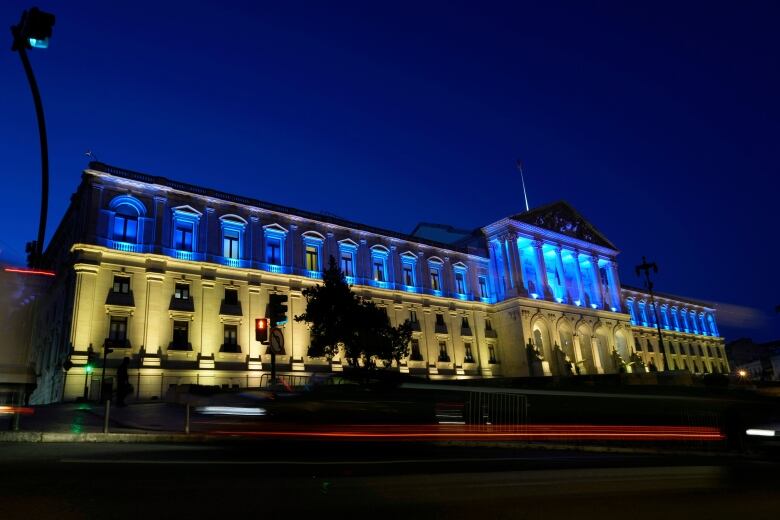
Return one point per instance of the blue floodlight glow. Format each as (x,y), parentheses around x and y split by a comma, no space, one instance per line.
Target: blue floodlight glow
(614,309)
(534,296)
(559,300)
(578,303)
(183,255)
(39,44)
(410,288)
(595,306)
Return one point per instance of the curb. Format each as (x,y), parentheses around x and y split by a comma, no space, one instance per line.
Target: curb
(588,448)
(45,437)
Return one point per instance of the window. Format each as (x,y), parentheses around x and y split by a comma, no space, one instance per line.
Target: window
(182,237)
(347,264)
(443,356)
(469,358)
(231,296)
(181,334)
(379,270)
(488,324)
(312,258)
(125,226)
(231,335)
(440,319)
(483,290)
(182,291)
(273,251)
(491,354)
(435,285)
(117,330)
(408,275)
(121,284)
(230,243)
(464,323)
(413,316)
(638,344)
(415,355)
(460,284)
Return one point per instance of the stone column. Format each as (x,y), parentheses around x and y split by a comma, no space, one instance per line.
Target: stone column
(83,307)
(294,247)
(614,285)
(497,268)
(154,313)
(392,274)
(598,286)
(562,274)
(332,250)
(542,271)
(161,223)
(517,266)
(578,278)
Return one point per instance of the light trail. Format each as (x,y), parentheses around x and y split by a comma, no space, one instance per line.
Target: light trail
(21,270)
(481,433)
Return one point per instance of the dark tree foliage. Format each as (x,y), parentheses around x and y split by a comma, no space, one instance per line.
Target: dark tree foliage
(340,318)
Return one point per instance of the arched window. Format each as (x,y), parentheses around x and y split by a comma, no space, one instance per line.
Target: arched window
(621,344)
(127,211)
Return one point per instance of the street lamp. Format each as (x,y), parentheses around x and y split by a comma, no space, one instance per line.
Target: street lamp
(33,32)
(646,267)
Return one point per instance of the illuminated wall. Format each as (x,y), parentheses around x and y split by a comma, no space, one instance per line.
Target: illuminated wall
(173,276)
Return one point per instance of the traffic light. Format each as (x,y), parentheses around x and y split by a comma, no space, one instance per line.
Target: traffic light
(34,29)
(277,309)
(261,330)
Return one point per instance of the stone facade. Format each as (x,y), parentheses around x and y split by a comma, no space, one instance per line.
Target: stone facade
(173,276)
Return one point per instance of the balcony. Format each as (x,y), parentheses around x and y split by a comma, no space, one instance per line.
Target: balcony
(120,299)
(415,326)
(466,331)
(444,358)
(230,348)
(441,328)
(230,309)
(116,343)
(490,333)
(180,346)
(182,304)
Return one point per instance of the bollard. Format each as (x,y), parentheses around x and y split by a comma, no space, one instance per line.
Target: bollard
(105,417)
(187,419)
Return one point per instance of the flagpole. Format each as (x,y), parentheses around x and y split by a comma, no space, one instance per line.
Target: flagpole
(522,180)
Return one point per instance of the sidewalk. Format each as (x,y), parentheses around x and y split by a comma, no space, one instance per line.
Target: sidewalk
(78,418)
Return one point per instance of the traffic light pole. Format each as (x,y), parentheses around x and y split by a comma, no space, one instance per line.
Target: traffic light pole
(37,252)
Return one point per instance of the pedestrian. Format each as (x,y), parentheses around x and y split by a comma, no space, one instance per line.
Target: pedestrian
(123,382)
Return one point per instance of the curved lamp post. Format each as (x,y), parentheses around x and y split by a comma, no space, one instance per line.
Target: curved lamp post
(33,32)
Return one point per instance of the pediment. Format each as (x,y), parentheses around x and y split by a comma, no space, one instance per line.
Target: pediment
(561,217)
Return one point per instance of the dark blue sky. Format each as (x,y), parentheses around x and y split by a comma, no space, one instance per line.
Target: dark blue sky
(660,122)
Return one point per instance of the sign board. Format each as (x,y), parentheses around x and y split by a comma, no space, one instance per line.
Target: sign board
(277,341)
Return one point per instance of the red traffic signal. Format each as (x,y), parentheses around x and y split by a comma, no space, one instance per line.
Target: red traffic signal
(261,330)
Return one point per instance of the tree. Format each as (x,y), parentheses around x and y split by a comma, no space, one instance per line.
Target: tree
(338,318)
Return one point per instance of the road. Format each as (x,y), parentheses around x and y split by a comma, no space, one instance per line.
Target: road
(297,479)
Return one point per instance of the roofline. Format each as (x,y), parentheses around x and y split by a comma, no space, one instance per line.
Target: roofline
(706,305)
(543,207)
(268,206)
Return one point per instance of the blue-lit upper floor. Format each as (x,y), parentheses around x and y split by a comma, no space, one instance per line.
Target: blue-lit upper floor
(281,244)
(673,315)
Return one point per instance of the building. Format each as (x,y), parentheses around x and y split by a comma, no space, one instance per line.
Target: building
(755,361)
(173,276)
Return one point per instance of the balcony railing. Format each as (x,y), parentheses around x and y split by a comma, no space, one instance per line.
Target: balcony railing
(120,299)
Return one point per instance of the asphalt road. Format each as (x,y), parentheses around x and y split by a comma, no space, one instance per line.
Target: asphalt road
(280,479)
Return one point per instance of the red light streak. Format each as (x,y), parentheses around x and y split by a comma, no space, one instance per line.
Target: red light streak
(21,410)
(534,432)
(22,270)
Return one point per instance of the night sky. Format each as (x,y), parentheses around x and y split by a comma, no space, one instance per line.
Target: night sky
(660,122)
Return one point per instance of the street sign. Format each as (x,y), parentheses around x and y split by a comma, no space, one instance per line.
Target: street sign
(277,341)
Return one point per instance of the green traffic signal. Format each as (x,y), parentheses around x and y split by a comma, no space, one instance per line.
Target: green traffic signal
(89,368)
